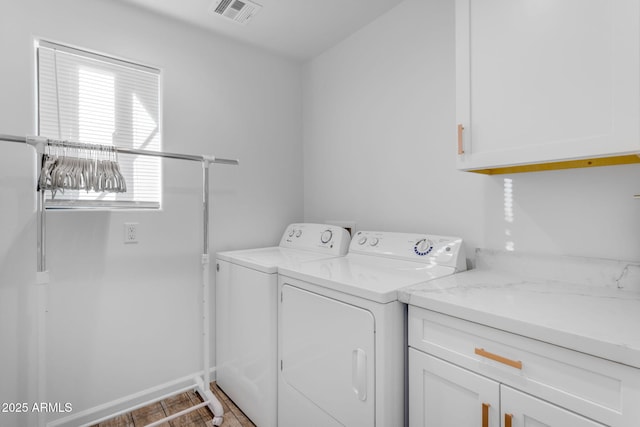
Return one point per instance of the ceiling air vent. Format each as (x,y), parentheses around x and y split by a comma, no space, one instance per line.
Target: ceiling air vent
(237,10)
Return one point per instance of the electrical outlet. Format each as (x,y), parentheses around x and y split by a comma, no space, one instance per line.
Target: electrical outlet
(131,232)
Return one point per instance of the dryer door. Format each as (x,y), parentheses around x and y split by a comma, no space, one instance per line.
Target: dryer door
(328,355)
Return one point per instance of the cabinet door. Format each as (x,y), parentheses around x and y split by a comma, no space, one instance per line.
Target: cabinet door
(442,394)
(522,410)
(543,81)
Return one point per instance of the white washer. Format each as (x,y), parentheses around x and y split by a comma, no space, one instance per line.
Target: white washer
(246,314)
(342,331)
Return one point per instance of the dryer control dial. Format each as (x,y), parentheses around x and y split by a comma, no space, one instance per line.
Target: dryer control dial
(374,241)
(292,232)
(299,233)
(362,240)
(423,247)
(326,236)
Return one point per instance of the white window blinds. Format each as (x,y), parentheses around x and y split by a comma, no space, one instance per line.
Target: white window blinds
(91,98)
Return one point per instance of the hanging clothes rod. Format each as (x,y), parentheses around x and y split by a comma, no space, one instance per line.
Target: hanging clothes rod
(201,383)
(197,158)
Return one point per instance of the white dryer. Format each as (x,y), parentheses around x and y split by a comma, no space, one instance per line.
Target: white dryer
(342,331)
(246,313)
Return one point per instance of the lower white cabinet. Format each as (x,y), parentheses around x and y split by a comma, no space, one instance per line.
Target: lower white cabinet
(463,373)
(443,394)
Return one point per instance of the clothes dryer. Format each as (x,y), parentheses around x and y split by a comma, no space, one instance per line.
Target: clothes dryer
(342,331)
(246,313)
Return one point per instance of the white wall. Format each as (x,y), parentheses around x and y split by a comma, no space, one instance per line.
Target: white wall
(18,291)
(379,149)
(123,318)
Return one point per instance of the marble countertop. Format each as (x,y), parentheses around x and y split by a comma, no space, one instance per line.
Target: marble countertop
(587,305)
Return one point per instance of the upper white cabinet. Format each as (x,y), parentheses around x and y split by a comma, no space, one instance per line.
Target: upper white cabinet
(542,81)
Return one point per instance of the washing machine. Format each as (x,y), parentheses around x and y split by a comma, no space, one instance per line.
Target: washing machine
(246,313)
(342,331)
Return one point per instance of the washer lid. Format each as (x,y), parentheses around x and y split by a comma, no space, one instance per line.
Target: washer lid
(374,278)
(267,260)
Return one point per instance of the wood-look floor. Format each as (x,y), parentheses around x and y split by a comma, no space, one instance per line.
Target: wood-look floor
(233,417)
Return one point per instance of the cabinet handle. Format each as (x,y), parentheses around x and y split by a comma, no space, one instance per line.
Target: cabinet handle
(508,419)
(460,147)
(513,363)
(485,414)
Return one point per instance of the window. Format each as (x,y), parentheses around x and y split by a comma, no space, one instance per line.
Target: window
(91,98)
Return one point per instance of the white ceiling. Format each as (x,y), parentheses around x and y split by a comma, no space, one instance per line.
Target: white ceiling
(299,29)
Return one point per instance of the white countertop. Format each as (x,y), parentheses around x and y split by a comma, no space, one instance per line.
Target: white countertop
(588,305)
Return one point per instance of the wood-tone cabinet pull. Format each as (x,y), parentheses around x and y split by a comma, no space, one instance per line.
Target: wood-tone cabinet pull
(513,363)
(485,414)
(460,146)
(508,419)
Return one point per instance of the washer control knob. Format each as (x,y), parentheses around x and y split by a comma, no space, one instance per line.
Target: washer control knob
(374,241)
(299,233)
(362,240)
(326,236)
(292,232)
(423,247)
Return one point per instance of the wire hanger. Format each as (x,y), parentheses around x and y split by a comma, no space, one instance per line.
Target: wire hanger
(66,168)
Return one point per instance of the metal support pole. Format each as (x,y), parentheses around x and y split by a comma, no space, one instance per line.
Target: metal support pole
(42,290)
(205,272)
(214,403)
(41,230)
(205,205)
